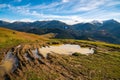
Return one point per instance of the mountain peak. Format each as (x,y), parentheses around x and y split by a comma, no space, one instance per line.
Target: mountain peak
(96,22)
(110,21)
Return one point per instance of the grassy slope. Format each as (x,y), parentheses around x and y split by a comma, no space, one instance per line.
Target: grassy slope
(10,38)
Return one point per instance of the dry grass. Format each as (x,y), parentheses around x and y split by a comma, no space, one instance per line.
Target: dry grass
(7,33)
(7,65)
(11,37)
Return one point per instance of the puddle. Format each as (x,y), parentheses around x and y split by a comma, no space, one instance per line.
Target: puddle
(66,49)
(10,62)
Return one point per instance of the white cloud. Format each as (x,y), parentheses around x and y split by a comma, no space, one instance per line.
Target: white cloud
(7,20)
(26,20)
(21,20)
(73,19)
(73,6)
(3,5)
(64,1)
(20,9)
(113,3)
(75,10)
(86,5)
(44,6)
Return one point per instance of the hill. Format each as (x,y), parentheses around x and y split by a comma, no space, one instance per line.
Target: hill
(107,31)
(10,38)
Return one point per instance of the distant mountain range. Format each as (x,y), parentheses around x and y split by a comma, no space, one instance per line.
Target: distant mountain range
(107,31)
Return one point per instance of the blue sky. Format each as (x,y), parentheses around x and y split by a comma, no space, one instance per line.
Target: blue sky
(69,11)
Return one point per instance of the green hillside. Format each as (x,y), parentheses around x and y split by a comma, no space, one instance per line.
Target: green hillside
(10,38)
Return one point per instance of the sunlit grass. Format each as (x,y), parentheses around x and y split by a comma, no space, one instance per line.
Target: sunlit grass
(10,37)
